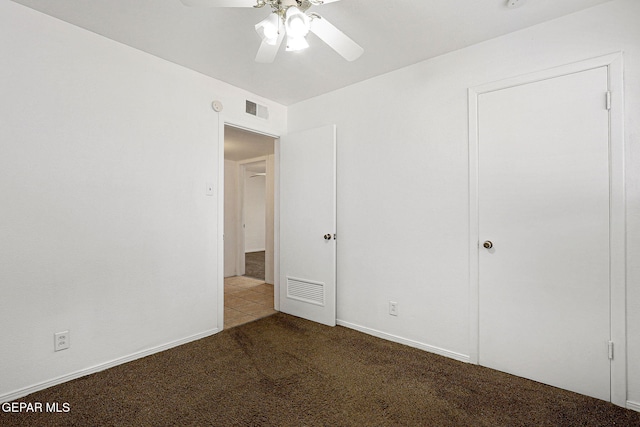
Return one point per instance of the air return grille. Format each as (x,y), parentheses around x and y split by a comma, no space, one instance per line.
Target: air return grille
(306,291)
(256,109)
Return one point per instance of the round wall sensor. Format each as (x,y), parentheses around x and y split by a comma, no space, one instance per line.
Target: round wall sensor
(515,3)
(217,106)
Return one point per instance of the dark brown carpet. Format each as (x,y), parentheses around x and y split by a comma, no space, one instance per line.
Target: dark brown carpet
(254,264)
(285,371)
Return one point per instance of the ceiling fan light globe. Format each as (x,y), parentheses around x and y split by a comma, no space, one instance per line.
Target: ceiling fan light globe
(268,29)
(270,32)
(295,44)
(297,23)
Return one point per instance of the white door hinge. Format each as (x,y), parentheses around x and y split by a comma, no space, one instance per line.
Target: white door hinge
(608,100)
(610,350)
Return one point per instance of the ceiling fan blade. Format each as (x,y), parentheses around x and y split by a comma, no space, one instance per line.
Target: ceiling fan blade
(336,39)
(219,3)
(267,52)
(229,3)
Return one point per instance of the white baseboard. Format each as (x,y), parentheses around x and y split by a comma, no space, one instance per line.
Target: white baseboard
(101,367)
(635,406)
(411,343)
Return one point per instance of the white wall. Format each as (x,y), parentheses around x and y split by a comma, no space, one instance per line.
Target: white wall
(106,232)
(269,254)
(231,214)
(406,134)
(254,212)
(105,226)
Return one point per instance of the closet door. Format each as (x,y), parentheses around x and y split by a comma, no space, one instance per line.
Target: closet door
(543,194)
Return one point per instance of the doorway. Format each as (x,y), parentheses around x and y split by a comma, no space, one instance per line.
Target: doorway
(256,228)
(249,166)
(547,236)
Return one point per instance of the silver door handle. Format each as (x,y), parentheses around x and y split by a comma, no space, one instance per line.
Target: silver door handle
(327,237)
(488,244)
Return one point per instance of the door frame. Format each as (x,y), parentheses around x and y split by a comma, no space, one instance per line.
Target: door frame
(276,214)
(617,220)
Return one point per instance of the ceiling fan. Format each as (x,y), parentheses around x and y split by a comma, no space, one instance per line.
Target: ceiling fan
(290,19)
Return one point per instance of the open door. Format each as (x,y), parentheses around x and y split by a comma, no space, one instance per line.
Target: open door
(308,224)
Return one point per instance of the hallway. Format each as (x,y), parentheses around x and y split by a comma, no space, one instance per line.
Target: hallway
(245,300)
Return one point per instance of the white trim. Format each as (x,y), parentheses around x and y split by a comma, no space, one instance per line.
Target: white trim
(634,406)
(617,208)
(474,233)
(563,70)
(618,248)
(248,129)
(220,234)
(103,366)
(405,341)
(270,213)
(335,222)
(276,224)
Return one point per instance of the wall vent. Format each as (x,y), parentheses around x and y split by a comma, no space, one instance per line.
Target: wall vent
(305,291)
(257,110)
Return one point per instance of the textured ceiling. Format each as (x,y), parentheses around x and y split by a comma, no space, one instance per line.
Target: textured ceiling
(222,43)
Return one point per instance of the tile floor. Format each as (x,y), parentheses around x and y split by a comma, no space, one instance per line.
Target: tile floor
(246,299)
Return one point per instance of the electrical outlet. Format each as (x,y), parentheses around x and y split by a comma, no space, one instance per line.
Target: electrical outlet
(61,341)
(393,308)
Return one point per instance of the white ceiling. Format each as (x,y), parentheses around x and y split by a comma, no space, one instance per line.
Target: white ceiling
(222,43)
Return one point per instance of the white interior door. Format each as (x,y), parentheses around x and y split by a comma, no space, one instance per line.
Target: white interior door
(308,224)
(543,191)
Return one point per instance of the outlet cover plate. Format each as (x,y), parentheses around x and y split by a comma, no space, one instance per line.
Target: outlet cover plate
(393,308)
(61,341)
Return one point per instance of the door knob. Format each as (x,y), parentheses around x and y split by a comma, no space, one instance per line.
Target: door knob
(327,237)
(488,244)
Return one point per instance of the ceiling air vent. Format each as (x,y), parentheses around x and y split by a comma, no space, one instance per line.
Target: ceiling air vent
(257,110)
